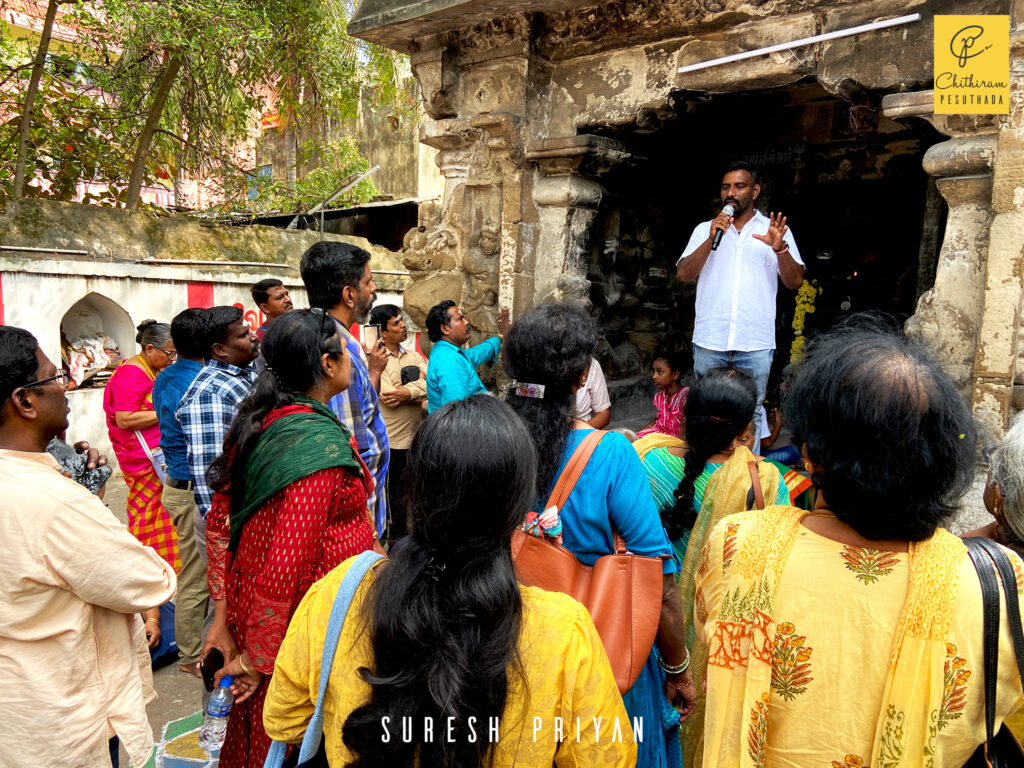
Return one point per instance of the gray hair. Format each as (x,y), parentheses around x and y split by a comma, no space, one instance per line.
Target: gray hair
(152,332)
(1008,472)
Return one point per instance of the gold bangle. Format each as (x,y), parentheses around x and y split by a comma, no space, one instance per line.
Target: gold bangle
(252,671)
(153,618)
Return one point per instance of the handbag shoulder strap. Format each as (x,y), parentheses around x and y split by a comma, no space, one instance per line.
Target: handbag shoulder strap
(573,469)
(1009,580)
(755,487)
(342,601)
(571,474)
(990,628)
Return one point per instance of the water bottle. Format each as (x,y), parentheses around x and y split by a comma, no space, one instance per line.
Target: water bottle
(215,719)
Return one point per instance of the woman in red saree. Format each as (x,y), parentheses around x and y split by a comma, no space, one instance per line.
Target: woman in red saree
(300,511)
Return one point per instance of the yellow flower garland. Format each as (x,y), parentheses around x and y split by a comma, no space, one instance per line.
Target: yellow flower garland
(805,298)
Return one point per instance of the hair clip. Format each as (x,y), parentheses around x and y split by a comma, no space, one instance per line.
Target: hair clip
(718,419)
(523,389)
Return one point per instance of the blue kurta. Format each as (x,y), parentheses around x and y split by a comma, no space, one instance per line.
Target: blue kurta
(613,490)
(451,371)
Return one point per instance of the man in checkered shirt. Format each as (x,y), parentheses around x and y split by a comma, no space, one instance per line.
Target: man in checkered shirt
(338,279)
(212,400)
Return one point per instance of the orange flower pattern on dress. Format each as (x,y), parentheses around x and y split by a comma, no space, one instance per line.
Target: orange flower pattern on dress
(726,647)
(791,666)
(757,734)
(850,761)
(868,564)
(699,607)
(743,616)
(705,564)
(729,546)
(954,694)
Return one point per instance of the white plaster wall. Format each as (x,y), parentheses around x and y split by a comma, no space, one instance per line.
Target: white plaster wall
(37,293)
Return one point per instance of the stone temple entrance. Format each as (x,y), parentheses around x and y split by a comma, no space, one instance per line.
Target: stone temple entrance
(540,110)
(866,216)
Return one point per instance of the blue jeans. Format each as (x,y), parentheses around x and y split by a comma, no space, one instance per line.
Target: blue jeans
(757,363)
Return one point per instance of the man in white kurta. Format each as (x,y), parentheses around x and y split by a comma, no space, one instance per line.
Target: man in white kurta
(74,664)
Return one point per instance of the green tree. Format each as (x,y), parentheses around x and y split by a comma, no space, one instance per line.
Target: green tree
(178,85)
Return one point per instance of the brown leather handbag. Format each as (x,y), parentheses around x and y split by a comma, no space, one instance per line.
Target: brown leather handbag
(621,590)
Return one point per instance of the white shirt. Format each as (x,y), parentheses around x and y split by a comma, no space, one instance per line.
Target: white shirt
(592,397)
(736,288)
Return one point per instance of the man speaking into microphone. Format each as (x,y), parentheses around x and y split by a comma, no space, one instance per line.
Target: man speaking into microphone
(737,259)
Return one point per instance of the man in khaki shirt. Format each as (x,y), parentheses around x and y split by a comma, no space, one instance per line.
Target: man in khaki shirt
(402,407)
(74,663)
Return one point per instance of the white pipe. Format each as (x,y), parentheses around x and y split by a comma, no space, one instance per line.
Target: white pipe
(803,41)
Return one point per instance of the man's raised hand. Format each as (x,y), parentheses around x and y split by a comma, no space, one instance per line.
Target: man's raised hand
(777,230)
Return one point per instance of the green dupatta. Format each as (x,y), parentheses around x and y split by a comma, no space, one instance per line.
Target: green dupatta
(291,448)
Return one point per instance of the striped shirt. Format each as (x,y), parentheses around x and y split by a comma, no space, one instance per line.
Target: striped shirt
(359,408)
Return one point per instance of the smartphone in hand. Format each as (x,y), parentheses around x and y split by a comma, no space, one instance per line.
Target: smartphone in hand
(371,335)
(211,664)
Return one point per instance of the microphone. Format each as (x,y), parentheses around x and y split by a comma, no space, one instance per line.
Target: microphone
(728,210)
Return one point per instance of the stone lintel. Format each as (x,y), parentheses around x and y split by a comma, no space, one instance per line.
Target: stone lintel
(962,156)
(396,23)
(583,155)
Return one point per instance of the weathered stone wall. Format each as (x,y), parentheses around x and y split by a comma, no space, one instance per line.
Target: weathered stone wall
(119,235)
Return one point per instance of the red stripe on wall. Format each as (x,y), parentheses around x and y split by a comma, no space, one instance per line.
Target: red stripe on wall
(200,295)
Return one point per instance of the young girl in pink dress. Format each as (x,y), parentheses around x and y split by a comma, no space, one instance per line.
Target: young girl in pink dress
(666,370)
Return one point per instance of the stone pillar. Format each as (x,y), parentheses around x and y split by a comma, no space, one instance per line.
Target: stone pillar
(997,372)
(568,196)
(949,315)
(566,209)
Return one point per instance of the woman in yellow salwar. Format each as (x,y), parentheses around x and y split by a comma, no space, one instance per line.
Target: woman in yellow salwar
(441,633)
(851,635)
(696,486)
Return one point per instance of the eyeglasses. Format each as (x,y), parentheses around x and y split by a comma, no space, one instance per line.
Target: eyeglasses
(171,353)
(63,377)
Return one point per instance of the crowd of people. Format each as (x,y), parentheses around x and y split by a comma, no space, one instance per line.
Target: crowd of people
(811,613)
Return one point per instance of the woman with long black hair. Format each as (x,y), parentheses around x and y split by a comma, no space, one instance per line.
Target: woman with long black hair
(697,485)
(547,353)
(442,637)
(299,510)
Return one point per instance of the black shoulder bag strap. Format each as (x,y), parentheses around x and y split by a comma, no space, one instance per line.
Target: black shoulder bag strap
(1009,579)
(1003,750)
(990,613)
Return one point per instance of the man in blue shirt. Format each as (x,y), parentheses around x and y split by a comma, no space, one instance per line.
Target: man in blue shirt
(170,386)
(451,371)
(338,280)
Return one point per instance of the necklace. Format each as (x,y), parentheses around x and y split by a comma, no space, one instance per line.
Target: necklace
(820,514)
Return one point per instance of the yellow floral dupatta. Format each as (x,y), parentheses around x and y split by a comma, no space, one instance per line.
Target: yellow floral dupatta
(726,494)
(742,639)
